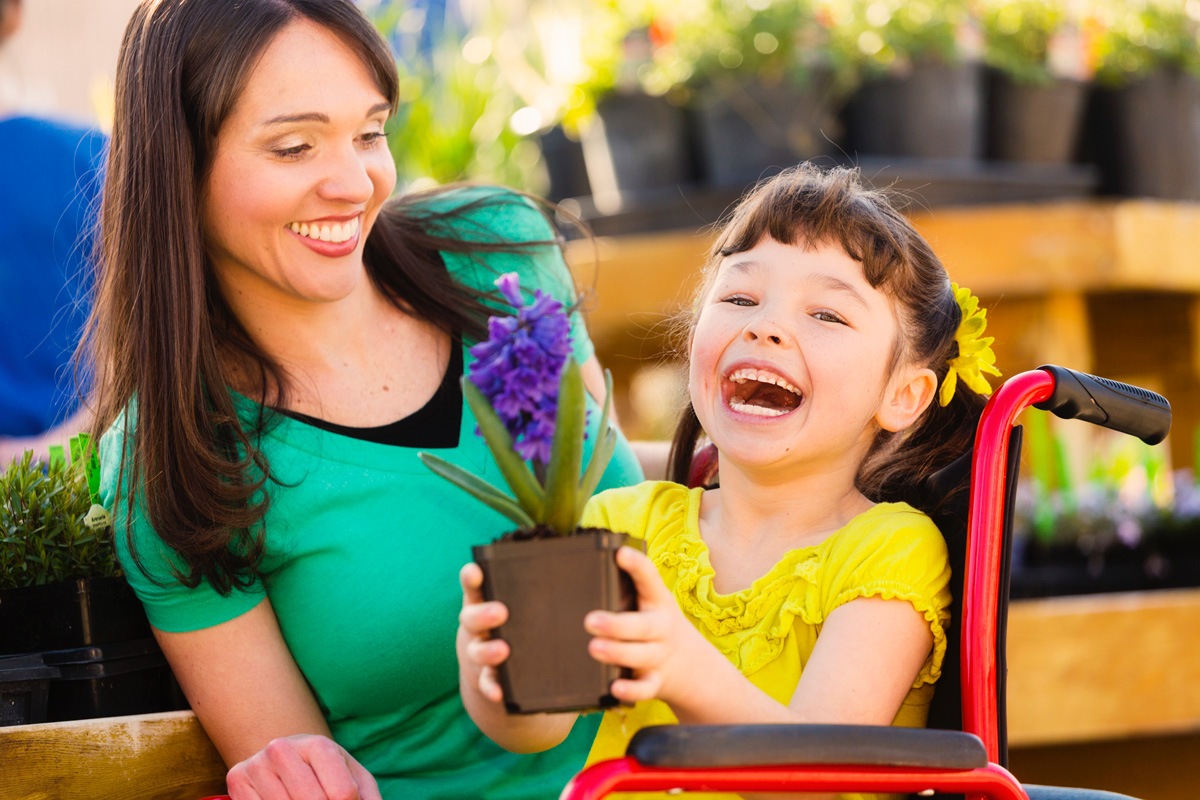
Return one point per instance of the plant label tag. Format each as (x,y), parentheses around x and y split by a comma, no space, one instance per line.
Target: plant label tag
(97,518)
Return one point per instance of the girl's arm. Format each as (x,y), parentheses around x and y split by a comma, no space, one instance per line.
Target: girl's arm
(478,657)
(865,661)
(255,705)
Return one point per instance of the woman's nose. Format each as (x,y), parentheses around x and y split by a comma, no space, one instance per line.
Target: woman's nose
(347,178)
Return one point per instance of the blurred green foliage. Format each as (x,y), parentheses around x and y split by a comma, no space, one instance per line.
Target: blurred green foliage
(1140,37)
(43,537)
(1020,37)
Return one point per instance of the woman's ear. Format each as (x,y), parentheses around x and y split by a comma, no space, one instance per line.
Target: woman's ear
(907,396)
(10,18)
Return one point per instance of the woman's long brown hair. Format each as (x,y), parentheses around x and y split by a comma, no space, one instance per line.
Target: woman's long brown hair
(161,336)
(809,206)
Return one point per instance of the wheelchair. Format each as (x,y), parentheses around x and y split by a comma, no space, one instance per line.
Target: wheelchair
(963,751)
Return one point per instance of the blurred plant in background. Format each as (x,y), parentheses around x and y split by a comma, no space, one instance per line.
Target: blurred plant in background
(1142,37)
(890,36)
(1038,41)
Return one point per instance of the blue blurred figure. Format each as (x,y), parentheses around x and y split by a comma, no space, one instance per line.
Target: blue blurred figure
(49,191)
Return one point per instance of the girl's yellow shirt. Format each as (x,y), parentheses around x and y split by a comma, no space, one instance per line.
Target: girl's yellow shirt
(769,629)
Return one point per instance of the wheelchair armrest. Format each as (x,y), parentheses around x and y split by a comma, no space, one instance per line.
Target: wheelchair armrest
(777,745)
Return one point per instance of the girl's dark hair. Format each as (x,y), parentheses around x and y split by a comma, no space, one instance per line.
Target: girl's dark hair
(163,341)
(812,207)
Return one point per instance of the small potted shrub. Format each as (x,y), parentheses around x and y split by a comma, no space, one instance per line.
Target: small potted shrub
(765,86)
(63,601)
(922,83)
(1148,117)
(527,395)
(1041,68)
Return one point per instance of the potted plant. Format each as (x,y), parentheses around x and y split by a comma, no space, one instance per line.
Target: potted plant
(1040,69)
(922,84)
(63,601)
(527,395)
(765,86)
(1148,117)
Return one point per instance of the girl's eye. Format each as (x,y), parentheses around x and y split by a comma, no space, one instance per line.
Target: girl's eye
(828,316)
(291,152)
(739,300)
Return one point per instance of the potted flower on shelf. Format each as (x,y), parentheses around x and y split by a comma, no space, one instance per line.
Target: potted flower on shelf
(766,85)
(1041,66)
(63,602)
(1147,122)
(922,83)
(527,395)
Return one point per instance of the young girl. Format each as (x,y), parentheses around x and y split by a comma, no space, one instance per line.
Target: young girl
(826,369)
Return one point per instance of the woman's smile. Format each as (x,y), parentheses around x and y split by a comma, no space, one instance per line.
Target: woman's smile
(328,237)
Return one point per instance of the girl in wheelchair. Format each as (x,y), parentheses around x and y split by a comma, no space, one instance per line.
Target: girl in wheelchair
(834,367)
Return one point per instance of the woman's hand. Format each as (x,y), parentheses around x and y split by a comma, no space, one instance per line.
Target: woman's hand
(302,767)
(478,653)
(657,642)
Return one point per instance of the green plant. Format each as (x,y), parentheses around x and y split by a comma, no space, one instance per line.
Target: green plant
(889,36)
(1034,41)
(46,533)
(527,395)
(1141,37)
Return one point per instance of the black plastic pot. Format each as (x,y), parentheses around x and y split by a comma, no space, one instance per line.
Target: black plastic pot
(1147,137)
(565,167)
(111,680)
(549,586)
(24,689)
(750,129)
(60,616)
(1033,123)
(636,143)
(935,111)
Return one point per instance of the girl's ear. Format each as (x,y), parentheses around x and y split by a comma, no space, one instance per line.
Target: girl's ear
(907,396)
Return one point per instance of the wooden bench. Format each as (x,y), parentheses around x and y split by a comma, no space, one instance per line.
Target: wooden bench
(150,757)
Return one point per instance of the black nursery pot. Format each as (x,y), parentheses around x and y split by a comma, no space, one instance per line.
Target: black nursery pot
(637,143)
(549,586)
(60,616)
(933,112)
(1034,123)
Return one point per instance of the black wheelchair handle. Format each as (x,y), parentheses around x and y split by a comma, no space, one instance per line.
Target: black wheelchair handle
(1110,404)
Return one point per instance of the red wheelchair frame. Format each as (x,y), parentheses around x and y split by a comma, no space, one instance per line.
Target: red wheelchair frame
(830,758)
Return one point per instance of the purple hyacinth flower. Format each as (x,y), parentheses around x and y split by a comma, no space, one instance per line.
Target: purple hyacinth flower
(519,365)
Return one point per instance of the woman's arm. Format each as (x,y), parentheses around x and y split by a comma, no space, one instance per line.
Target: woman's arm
(255,705)
(478,657)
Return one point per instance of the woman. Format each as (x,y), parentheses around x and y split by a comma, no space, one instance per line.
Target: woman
(277,341)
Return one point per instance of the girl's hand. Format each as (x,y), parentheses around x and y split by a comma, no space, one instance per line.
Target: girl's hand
(657,642)
(302,767)
(478,653)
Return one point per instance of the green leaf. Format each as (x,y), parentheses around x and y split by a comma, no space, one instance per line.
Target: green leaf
(566,452)
(515,471)
(600,458)
(478,488)
(601,454)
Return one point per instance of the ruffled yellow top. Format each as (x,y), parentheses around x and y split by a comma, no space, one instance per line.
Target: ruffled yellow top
(769,629)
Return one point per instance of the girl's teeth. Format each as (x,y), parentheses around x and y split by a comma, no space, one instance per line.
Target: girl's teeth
(756,410)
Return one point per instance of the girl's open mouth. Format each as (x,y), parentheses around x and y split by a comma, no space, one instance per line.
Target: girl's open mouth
(762,393)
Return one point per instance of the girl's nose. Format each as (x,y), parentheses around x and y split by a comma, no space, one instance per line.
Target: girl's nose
(765,330)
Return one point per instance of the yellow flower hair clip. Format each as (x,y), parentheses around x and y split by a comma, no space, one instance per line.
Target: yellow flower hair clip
(975,355)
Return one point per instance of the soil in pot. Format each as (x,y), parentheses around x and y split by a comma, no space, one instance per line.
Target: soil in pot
(1033,123)
(935,112)
(59,616)
(636,143)
(1146,137)
(549,585)
(749,129)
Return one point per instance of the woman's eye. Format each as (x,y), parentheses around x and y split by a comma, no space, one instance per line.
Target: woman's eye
(373,138)
(291,152)
(828,316)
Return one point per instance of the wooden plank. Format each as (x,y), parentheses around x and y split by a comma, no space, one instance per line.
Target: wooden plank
(1103,666)
(150,757)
